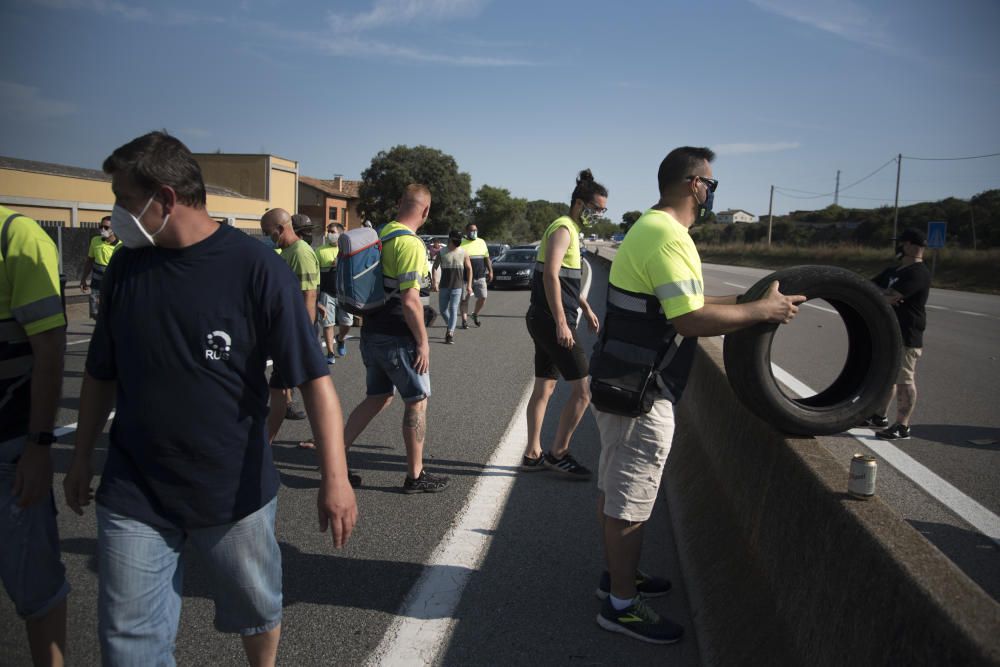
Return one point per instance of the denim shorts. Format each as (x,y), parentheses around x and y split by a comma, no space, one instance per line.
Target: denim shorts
(141,576)
(389,363)
(30,562)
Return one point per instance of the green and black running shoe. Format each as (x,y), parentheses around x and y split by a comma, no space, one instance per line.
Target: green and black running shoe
(640,622)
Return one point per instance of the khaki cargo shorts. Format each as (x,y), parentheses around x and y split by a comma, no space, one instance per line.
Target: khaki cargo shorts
(908,369)
(633,453)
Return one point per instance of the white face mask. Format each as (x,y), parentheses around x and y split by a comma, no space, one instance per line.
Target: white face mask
(129,229)
(105,233)
(332,237)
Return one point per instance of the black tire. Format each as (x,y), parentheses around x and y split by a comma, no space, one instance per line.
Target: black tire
(873,355)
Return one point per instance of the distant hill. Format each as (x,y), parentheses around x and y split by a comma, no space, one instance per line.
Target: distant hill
(869,226)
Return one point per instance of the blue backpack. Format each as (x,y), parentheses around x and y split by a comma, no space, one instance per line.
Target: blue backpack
(359,270)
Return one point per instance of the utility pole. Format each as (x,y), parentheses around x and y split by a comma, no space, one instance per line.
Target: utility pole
(836,190)
(770,210)
(895,215)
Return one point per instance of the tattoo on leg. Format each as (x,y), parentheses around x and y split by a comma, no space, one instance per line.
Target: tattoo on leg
(416,420)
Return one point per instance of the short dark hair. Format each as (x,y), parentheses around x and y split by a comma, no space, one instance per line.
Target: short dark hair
(455,236)
(679,164)
(156,159)
(587,188)
(107,217)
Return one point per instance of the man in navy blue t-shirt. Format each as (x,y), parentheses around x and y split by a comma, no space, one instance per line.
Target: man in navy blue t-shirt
(190,312)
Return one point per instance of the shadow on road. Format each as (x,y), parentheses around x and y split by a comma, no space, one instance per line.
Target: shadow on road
(955,435)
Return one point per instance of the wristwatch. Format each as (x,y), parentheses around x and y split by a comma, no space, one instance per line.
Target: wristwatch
(44,438)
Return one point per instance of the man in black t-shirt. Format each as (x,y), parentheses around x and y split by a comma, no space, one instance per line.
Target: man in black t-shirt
(190,312)
(906,287)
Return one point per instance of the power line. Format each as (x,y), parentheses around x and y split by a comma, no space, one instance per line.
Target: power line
(818,195)
(946,159)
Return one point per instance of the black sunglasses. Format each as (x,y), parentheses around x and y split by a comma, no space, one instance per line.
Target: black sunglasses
(710,183)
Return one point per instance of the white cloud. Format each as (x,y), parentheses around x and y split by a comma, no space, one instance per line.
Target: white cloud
(27,101)
(748,148)
(843,18)
(395,12)
(364,47)
(101,7)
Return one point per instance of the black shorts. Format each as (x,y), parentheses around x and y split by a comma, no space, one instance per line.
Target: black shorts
(551,358)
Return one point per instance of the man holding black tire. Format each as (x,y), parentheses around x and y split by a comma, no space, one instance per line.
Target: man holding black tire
(906,287)
(656,303)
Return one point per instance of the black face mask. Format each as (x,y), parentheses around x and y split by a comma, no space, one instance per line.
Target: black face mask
(703,209)
(307,237)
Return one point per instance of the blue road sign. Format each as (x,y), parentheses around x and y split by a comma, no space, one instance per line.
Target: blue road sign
(936,233)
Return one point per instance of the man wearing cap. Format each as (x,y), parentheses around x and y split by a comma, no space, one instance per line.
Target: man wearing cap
(287,231)
(907,287)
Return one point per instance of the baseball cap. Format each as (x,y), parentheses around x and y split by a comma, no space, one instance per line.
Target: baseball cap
(301,222)
(914,236)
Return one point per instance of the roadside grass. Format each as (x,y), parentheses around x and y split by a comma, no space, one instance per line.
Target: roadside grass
(955,268)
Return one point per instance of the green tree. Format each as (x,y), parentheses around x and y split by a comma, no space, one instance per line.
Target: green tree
(629,218)
(383,182)
(540,214)
(496,213)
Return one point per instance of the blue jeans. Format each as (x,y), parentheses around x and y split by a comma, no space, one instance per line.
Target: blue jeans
(30,562)
(141,574)
(450,298)
(389,363)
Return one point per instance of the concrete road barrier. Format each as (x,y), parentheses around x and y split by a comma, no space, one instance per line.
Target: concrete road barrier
(783,567)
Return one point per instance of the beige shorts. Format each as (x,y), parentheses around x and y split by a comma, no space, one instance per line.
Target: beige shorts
(478,290)
(908,369)
(633,453)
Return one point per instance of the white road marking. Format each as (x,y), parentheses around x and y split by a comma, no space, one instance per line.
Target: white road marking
(735,285)
(823,308)
(425,621)
(78,342)
(965,507)
(69,428)
(936,307)
(969,312)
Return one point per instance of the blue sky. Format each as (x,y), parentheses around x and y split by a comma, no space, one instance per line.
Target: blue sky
(525,94)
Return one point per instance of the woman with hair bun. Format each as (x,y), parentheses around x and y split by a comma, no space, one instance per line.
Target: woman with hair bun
(552,317)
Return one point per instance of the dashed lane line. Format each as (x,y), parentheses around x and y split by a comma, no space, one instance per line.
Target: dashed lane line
(424,623)
(735,285)
(965,507)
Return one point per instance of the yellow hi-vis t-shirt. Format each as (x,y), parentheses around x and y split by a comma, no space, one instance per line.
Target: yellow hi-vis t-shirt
(659,257)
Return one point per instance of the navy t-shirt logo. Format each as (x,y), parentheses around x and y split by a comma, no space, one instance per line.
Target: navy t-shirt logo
(218,345)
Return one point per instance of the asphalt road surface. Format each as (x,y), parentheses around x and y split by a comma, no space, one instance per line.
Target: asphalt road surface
(528,599)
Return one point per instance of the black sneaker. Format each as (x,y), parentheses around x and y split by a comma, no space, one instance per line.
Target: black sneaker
(475,320)
(529,464)
(465,324)
(426,483)
(292,413)
(449,338)
(876,421)
(567,465)
(647,586)
(895,432)
(639,622)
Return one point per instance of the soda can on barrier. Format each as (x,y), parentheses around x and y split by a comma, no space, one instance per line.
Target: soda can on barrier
(861,483)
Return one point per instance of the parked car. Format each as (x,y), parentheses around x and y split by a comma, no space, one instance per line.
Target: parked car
(497,249)
(514,268)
